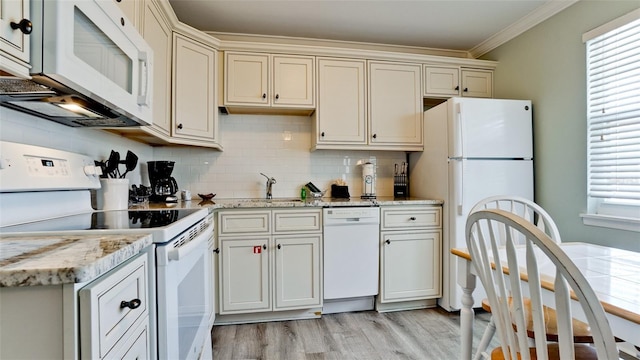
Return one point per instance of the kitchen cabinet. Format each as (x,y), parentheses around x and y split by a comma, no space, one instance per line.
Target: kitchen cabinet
(376,109)
(270,260)
(410,256)
(157,33)
(195,113)
(133,10)
(442,81)
(114,312)
(395,105)
(269,81)
(341,115)
(14,43)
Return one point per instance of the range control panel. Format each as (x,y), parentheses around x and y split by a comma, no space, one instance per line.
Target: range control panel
(33,168)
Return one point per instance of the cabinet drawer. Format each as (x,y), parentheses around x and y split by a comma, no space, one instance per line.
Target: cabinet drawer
(296,220)
(411,217)
(244,222)
(104,320)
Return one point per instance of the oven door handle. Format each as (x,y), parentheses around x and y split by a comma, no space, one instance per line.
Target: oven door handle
(184,251)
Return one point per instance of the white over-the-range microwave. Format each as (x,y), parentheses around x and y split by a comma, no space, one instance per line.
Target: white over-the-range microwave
(90,67)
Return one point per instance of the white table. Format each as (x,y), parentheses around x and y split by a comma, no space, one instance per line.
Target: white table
(614,275)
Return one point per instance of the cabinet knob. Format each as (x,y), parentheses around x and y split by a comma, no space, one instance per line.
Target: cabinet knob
(216,250)
(277,96)
(322,134)
(466,90)
(375,136)
(133,304)
(413,218)
(24,25)
(264,96)
(387,241)
(180,126)
(279,246)
(122,21)
(457,88)
(264,247)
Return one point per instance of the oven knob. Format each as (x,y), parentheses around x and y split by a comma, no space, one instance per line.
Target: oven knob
(91,170)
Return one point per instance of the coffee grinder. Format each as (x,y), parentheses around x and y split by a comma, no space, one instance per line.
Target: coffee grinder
(163,186)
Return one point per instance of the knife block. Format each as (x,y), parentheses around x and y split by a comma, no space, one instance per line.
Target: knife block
(401,186)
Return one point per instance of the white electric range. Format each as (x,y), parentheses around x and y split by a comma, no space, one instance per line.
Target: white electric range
(48,191)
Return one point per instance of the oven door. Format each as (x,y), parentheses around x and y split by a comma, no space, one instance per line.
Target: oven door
(91,48)
(183,292)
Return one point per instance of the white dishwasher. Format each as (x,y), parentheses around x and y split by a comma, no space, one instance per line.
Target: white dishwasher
(351,258)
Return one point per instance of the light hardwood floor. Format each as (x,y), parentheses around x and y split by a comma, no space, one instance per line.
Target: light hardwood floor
(416,334)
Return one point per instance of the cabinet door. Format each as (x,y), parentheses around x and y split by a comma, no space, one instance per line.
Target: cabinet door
(244,275)
(293,84)
(477,83)
(410,265)
(440,81)
(246,79)
(157,34)
(14,45)
(194,108)
(395,104)
(297,273)
(341,111)
(132,10)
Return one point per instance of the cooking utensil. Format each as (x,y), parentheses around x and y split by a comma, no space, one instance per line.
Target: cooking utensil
(112,163)
(130,161)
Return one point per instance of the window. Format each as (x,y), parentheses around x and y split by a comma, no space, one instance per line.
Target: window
(613,115)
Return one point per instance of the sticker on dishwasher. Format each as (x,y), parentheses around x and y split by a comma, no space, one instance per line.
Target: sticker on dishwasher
(257,249)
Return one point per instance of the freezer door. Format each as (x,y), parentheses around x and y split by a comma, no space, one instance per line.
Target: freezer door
(490,128)
(472,181)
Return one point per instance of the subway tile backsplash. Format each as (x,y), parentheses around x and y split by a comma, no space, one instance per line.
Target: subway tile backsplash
(277,146)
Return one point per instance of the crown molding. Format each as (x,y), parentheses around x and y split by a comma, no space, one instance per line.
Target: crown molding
(542,13)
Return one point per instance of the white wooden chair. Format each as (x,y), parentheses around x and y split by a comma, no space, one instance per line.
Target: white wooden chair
(492,238)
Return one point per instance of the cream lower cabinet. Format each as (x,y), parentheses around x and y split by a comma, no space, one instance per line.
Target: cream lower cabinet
(410,256)
(269,260)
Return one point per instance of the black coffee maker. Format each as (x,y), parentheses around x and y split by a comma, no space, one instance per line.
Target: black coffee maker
(163,186)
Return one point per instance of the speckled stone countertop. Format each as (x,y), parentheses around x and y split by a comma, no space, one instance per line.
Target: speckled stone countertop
(63,259)
(215,203)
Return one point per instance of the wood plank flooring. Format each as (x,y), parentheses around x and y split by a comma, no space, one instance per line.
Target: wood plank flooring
(416,334)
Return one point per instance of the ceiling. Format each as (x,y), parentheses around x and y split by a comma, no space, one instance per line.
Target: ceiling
(441,24)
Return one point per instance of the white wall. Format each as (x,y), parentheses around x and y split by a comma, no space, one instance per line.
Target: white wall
(252,143)
(547,65)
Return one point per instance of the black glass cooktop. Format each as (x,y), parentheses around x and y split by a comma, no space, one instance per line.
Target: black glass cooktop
(105,220)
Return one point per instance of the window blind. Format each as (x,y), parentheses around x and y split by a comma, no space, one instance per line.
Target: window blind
(613,111)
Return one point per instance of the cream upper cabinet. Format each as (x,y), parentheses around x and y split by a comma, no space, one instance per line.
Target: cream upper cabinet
(441,81)
(395,105)
(341,116)
(157,33)
(133,10)
(14,43)
(455,81)
(265,80)
(477,83)
(195,114)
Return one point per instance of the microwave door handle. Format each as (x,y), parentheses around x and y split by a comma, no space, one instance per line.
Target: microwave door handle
(143,90)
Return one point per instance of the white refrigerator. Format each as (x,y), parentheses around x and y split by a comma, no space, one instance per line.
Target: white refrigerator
(473,149)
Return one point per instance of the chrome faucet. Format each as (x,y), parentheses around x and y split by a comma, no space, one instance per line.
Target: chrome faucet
(270,182)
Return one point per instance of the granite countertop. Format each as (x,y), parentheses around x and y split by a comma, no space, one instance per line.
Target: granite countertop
(229,203)
(64,259)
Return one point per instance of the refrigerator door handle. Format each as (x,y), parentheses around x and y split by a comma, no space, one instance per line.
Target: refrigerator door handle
(459,184)
(458,150)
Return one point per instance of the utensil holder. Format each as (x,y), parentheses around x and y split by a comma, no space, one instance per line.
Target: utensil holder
(113,194)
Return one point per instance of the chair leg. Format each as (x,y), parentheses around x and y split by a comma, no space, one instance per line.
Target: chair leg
(486,339)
